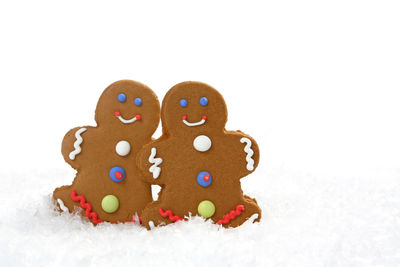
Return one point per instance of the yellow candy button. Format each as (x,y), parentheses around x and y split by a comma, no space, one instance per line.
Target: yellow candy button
(206,208)
(110,203)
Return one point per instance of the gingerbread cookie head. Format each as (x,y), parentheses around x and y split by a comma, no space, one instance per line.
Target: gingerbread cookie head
(193,107)
(129,105)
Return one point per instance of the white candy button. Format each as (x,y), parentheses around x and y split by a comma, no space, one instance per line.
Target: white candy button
(123,148)
(202,143)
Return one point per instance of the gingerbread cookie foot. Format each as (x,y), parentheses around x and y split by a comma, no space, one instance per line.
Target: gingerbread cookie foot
(61,205)
(253,207)
(86,206)
(231,215)
(68,201)
(249,210)
(62,196)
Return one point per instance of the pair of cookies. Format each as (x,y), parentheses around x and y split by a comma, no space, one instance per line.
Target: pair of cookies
(197,163)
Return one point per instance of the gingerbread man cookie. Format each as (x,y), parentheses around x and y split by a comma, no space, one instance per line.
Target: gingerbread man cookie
(197,162)
(107,185)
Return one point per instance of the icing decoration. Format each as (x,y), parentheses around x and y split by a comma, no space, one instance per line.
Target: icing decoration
(117,174)
(170,215)
(123,148)
(206,209)
(151,224)
(118,115)
(77,144)
(122,98)
(204,179)
(202,143)
(138,101)
(154,169)
(204,101)
(232,215)
(250,153)
(62,206)
(86,206)
(135,217)
(203,120)
(110,204)
(183,103)
(253,218)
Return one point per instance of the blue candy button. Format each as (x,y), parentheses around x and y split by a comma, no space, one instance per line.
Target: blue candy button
(183,102)
(204,101)
(117,174)
(122,97)
(138,101)
(204,179)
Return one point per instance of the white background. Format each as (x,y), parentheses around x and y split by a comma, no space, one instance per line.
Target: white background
(316,83)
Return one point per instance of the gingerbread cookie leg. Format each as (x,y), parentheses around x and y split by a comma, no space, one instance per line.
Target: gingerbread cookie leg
(254,205)
(242,212)
(68,199)
(155,214)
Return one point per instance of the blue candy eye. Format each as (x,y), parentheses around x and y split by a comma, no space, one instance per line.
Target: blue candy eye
(204,101)
(138,101)
(183,102)
(122,98)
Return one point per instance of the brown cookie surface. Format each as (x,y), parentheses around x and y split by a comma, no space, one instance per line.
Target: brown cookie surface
(108,186)
(197,162)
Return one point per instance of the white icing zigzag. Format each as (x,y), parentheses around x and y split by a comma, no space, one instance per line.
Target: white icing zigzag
(77,144)
(62,206)
(250,153)
(156,161)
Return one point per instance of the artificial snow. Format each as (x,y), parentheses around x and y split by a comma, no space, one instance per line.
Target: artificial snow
(308,220)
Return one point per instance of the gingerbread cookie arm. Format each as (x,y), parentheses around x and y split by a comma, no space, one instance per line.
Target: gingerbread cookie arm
(149,160)
(73,145)
(247,153)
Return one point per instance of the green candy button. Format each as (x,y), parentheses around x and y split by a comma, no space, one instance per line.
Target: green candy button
(206,208)
(110,203)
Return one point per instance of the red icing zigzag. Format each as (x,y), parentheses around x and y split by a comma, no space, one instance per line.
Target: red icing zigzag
(231,215)
(85,205)
(169,214)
